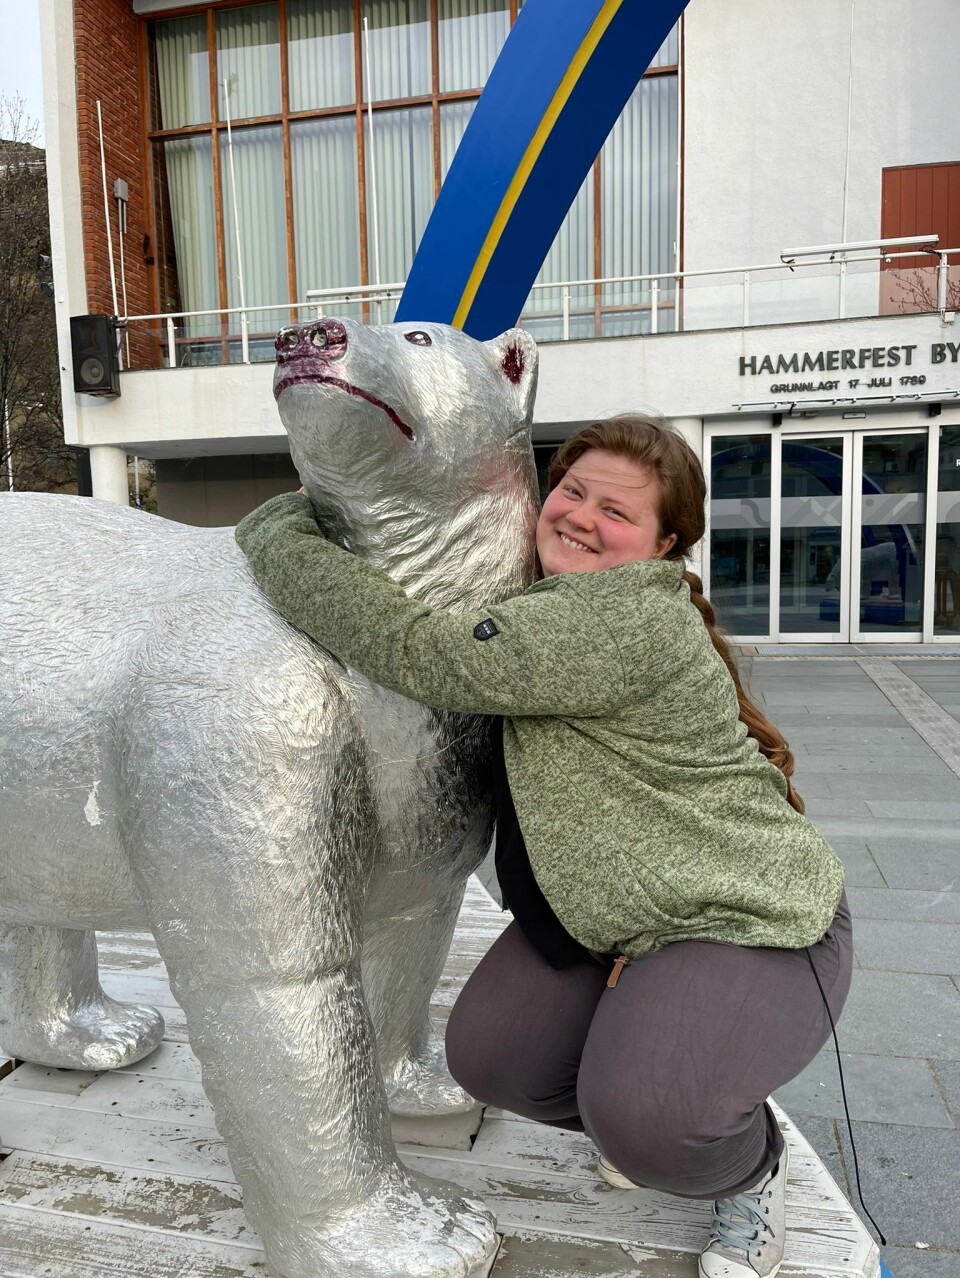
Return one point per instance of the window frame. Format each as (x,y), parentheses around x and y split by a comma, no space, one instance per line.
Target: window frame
(216,130)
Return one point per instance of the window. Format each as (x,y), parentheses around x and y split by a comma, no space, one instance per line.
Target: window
(295,149)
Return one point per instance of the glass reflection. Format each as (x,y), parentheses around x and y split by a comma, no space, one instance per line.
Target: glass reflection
(471,34)
(946,590)
(811,542)
(398,32)
(248,60)
(255,173)
(320,54)
(891,542)
(740,533)
(183,72)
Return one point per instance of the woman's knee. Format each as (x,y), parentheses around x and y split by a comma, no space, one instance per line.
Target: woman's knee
(516,1033)
(475,1058)
(499,1070)
(662,1143)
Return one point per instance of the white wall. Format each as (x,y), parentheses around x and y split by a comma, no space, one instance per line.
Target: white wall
(195,412)
(63,184)
(765,113)
(765,122)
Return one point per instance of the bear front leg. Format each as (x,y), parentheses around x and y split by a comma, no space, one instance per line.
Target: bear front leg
(53,1011)
(403,958)
(256,907)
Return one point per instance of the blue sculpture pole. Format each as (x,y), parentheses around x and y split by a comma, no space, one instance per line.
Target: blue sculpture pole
(562,79)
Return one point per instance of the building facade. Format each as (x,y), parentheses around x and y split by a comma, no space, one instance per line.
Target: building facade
(761,253)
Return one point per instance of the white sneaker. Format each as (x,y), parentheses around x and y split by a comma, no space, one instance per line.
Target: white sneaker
(606,1171)
(749,1230)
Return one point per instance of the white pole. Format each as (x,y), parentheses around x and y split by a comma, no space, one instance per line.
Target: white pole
(106,211)
(108,474)
(171,343)
(236,212)
(846,162)
(373,161)
(136,482)
(842,288)
(942,280)
(123,277)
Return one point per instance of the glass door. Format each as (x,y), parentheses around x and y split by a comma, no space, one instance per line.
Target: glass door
(737,570)
(821,537)
(815,537)
(888,530)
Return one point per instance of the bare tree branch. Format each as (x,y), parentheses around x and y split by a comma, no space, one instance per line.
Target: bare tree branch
(32,451)
(917,290)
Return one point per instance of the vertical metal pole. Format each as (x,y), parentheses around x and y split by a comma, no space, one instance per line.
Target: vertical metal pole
(706,551)
(776,473)
(171,343)
(849,554)
(928,618)
(566,312)
(654,306)
(746,299)
(855,578)
(121,231)
(942,278)
(842,290)
(678,321)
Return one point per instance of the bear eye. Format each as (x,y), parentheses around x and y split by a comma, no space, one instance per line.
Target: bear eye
(418,338)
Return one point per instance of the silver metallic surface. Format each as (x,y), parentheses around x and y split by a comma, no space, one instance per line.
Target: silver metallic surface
(174,755)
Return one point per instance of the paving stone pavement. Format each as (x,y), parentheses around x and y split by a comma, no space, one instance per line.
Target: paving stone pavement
(890,804)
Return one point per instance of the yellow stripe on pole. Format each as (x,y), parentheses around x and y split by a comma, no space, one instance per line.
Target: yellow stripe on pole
(530,156)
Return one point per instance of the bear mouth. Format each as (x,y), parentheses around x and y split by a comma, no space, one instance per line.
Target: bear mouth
(312,379)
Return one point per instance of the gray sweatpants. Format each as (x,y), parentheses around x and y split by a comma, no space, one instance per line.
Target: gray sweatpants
(668,1073)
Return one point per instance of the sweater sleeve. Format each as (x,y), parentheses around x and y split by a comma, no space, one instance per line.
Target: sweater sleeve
(544,653)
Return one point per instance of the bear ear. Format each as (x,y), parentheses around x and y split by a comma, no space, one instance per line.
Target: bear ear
(517,357)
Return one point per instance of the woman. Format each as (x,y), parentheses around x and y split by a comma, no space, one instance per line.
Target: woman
(679,926)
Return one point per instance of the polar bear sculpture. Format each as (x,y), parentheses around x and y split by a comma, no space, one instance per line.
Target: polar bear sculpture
(174,755)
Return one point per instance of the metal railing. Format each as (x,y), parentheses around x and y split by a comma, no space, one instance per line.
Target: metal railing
(666,301)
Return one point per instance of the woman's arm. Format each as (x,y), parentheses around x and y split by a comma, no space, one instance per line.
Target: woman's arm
(540,654)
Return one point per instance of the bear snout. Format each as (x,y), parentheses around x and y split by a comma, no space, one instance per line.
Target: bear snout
(326,338)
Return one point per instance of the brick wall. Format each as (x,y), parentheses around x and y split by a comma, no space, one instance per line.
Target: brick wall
(107,57)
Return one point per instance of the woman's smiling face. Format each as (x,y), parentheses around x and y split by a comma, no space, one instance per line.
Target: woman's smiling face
(603,512)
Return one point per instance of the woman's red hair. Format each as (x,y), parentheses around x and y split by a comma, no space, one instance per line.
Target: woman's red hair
(656,446)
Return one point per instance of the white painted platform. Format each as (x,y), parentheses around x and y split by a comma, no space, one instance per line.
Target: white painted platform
(124,1174)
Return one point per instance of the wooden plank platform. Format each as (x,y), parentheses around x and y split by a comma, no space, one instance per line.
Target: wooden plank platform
(124,1173)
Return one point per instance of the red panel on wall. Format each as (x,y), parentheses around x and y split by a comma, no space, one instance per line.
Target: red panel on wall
(917,200)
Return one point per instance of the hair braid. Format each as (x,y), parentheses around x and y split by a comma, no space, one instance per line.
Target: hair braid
(772,743)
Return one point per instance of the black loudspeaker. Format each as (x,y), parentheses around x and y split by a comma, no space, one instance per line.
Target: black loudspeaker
(96,366)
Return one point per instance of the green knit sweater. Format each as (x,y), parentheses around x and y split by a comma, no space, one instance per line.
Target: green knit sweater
(648,813)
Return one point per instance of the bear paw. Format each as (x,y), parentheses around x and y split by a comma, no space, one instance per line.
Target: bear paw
(414,1227)
(102,1034)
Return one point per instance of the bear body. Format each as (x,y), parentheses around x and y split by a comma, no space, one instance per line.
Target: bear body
(176,756)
